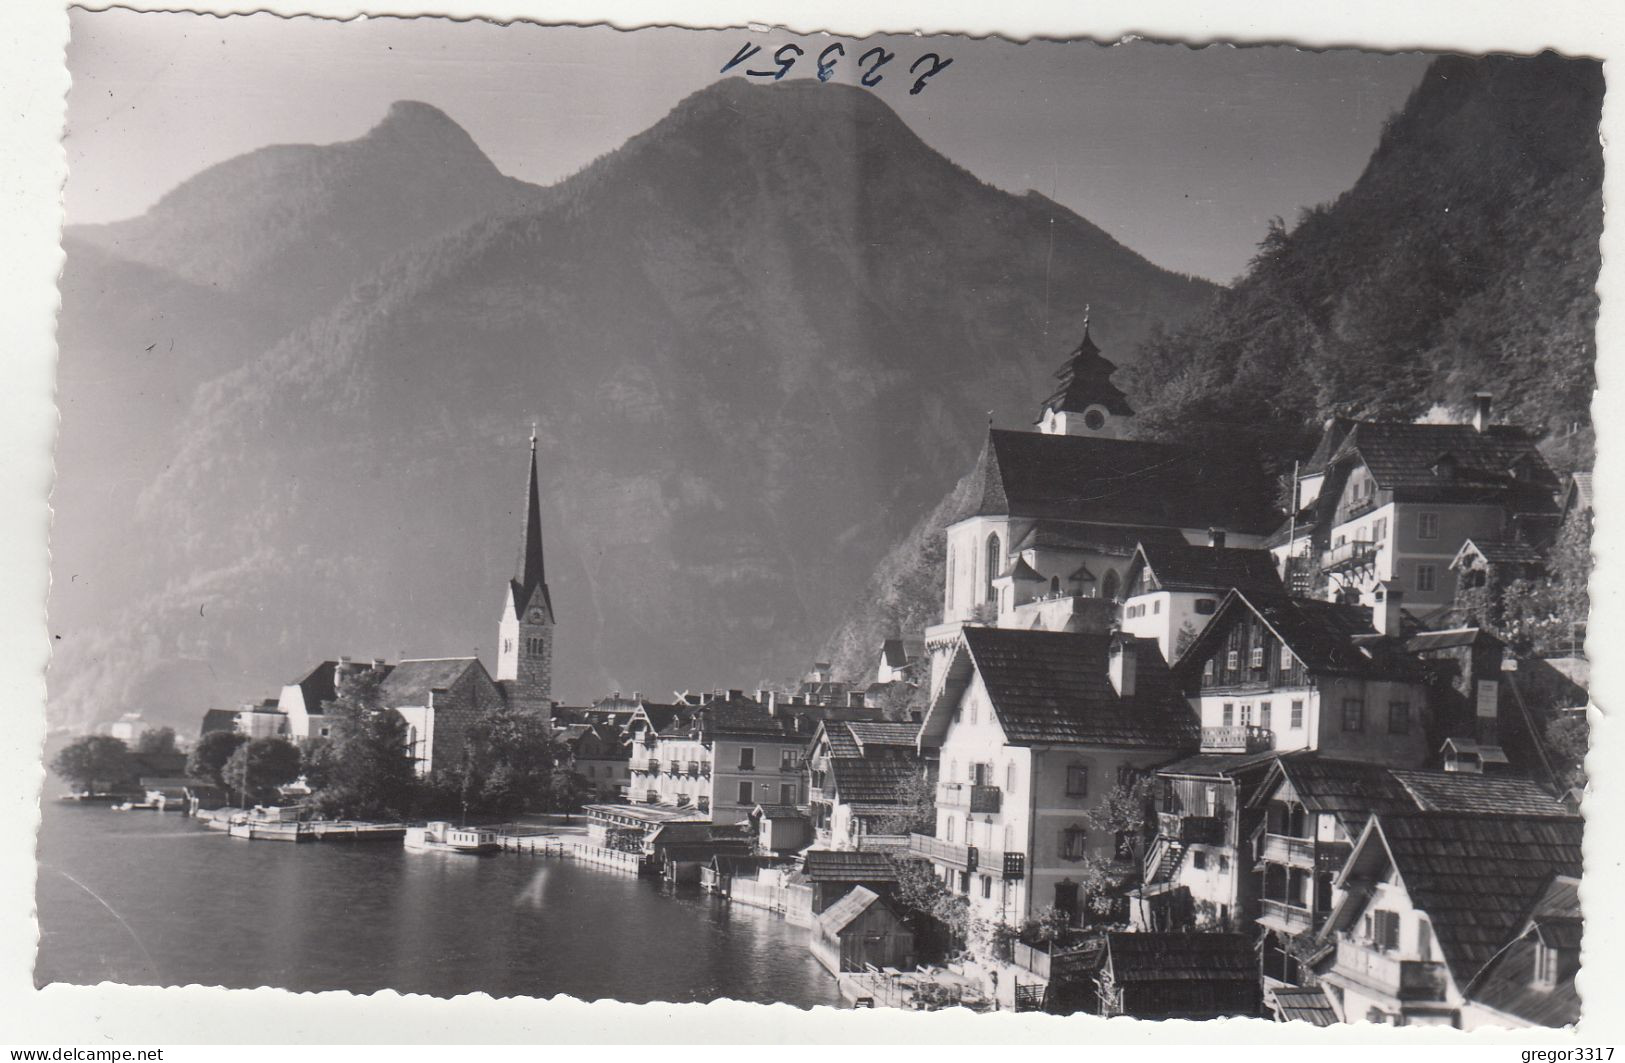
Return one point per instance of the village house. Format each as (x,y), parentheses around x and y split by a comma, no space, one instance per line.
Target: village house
(900,661)
(858,774)
(601,755)
(781,829)
(1033,730)
(1056,515)
(1173,589)
(1275,673)
(862,931)
(722,756)
(1430,902)
(1394,502)
(832,873)
(1154,975)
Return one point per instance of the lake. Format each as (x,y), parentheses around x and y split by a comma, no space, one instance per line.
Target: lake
(152,898)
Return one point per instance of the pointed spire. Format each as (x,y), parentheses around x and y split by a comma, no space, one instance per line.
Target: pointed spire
(531,573)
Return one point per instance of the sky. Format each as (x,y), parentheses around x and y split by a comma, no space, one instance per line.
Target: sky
(1182,154)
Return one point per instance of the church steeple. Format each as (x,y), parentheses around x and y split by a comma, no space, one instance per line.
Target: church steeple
(1086,402)
(525,636)
(531,571)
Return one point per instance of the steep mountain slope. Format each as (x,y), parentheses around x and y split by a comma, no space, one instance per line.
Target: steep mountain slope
(1464,258)
(758,340)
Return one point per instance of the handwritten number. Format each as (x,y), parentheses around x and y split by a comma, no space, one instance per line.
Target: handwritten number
(744,53)
(783,59)
(826,66)
(938,64)
(873,76)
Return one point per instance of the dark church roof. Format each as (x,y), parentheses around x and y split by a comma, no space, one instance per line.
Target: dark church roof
(412,682)
(1085,380)
(1121,481)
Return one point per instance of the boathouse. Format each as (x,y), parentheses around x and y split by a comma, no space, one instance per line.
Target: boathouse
(861,930)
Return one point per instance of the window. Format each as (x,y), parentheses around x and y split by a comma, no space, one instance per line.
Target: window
(987,885)
(1224,863)
(1207,668)
(949,596)
(747,759)
(326,732)
(1427,525)
(1156,607)
(1385,929)
(1353,714)
(1228,715)
(787,793)
(1232,660)
(745,794)
(787,760)
(1074,840)
(1545,964)
(1010,776)
(950,829)
(1077,780)
(1286,659)
(507,645)
(1379,530)
(964,882)
(1297,714)
(1257,657)
(1264,715)
(1205,606)
(1199,859)
(1426,577)
(1109,585)
(1399,717)
(1246,719)
(992,566)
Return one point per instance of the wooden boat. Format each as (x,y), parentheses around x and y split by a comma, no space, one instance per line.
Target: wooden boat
(442,837)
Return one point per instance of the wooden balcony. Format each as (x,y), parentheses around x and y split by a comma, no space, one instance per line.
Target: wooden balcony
(986,799)
(1190,830)
(973,797)
(1285,849)
(1237,739)
(1285,916)
(1348,555)
(966,857)
(1388,974)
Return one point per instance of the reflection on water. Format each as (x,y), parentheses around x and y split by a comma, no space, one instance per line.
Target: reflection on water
(152,899)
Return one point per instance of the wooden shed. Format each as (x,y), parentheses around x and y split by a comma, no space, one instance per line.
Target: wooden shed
(861,930)
(1177,976)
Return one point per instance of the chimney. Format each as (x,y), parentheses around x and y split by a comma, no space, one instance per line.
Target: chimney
(1215,538)
(378,664)
(344,662)
(1122,665)
(637,695)
(1386,614)
(1481,410)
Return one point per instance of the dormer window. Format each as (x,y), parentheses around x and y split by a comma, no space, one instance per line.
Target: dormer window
(1545,965)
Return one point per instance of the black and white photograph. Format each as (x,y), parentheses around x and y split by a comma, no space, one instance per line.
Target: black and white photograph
(931,522)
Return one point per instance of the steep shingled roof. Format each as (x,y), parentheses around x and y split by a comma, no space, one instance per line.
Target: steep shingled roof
(1183,567)
(1150,956)
(1051,686)
(1476,876)
(1402,455)
(1121,481)
(884,733)
(829,865)
(411,682)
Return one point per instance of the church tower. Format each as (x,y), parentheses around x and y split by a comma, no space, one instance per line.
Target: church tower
(1086,403)
(525,654)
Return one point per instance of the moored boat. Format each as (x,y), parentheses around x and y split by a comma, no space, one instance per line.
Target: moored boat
(442,837)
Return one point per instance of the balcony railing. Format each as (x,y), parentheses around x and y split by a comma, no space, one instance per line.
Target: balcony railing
(1383,971)
(1240,738)
(1285,849)
(1358,508)
(1286,916)
(694,768)
(654,766)
(968,857)
(1331,856)
(1190,830)
(1351,554)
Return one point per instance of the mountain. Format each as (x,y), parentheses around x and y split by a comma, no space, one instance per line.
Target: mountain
(1465,257)
(757,341)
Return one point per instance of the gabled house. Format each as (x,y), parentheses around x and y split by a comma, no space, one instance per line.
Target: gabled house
(305,701)
(1431,901)
(722,756)
(1531,981)
(831,873)
(1151,975)
(1033,729)
(1272,672)
(1395,502)
(858,774)
(900,661)
(1172,589)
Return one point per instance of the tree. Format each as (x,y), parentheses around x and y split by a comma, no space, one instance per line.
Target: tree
(156,740)
(566,791)
(94,759)
(367,772)
(916,811)
(211,753)
(256,769)
(507,766)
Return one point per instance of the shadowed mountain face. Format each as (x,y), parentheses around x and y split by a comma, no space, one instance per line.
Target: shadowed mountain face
(759,340)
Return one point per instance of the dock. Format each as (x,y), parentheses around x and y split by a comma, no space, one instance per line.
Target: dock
(530,841)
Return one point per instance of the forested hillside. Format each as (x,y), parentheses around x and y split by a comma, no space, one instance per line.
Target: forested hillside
(1465,258)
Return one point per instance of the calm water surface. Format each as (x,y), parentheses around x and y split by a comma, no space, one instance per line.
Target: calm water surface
(155,899)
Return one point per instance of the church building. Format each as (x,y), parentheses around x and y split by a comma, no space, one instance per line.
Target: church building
(525,646)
